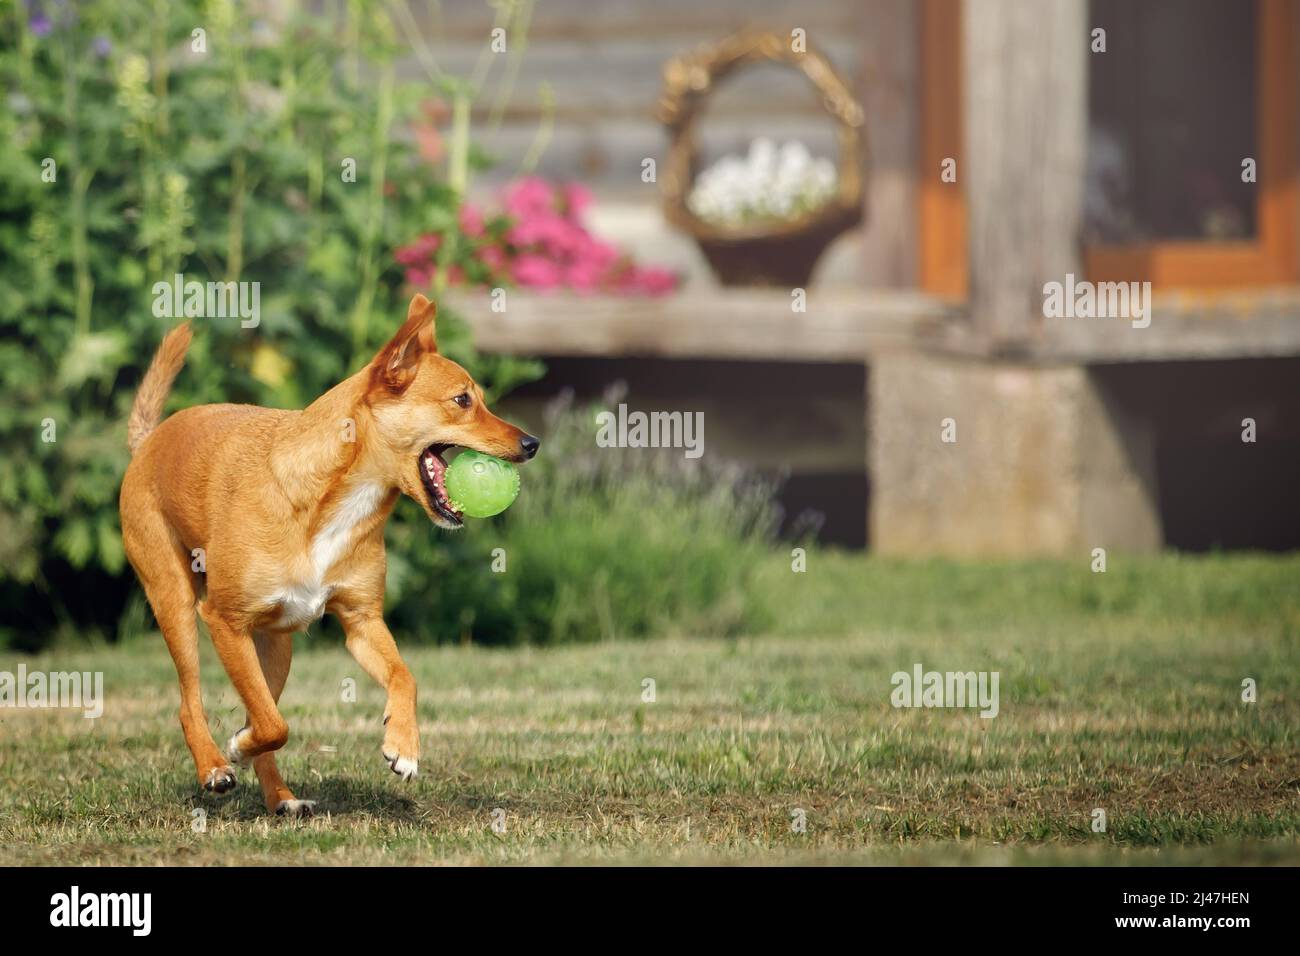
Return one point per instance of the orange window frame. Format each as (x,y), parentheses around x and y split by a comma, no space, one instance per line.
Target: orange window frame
(1272,257)
(942,254)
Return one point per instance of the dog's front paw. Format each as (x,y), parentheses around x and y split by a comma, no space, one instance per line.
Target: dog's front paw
(296,808)
(235,752)
(220,780)
(404,767)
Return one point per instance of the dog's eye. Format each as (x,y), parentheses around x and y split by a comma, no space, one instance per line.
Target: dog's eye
(463,400)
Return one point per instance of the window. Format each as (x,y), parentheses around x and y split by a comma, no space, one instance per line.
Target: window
(1186,92)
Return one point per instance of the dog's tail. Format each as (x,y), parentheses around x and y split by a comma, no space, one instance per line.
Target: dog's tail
(157,382)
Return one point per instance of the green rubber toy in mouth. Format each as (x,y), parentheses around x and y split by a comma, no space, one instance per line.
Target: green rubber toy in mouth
(481,486)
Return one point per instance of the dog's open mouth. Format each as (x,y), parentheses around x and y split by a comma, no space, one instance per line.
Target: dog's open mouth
(433,469)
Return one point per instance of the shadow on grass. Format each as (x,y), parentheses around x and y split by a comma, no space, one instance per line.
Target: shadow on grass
(338,796)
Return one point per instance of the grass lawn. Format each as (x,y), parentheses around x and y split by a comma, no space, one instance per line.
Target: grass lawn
(1119,691)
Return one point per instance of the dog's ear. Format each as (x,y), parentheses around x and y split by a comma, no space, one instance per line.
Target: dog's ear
(397,361)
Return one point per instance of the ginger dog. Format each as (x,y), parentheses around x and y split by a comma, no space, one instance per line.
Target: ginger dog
(289,508)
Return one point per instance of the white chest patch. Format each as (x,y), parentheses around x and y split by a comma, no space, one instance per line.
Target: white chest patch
(303,601)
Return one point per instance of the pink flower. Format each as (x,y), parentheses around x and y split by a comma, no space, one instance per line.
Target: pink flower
(654,281)
(538,240)
(529,196)
(427,136)
(596,252)
(564,238)
(497,262)
(471,221)
(529,232)
(419,251)
(584,276)
(536,271)
(494,257)
(577,198)
(420,276)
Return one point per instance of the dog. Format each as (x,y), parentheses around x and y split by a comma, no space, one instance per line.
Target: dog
(286,510)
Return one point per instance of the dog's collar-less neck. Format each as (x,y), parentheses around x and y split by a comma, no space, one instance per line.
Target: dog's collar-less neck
(317,451)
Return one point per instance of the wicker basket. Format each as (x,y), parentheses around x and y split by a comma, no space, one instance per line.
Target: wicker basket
(769,253)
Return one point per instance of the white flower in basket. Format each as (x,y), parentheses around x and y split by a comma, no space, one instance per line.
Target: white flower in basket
(770,183)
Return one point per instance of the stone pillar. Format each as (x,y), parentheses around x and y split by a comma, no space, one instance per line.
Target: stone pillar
(1044,461)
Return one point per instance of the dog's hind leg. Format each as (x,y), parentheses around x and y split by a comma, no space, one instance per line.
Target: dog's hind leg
(266,729)
(275,652)
(171,588)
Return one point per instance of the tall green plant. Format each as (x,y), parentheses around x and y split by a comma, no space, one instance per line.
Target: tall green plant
(135,147)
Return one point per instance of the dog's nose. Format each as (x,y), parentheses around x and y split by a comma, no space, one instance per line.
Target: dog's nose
(529,444)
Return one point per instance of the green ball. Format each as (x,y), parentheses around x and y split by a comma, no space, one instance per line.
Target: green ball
(481,486)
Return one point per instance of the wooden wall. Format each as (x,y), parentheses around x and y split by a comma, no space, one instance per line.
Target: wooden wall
(603,62)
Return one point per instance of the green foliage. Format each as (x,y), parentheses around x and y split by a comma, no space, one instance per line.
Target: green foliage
(227,164)
(224,164)
(603,543)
